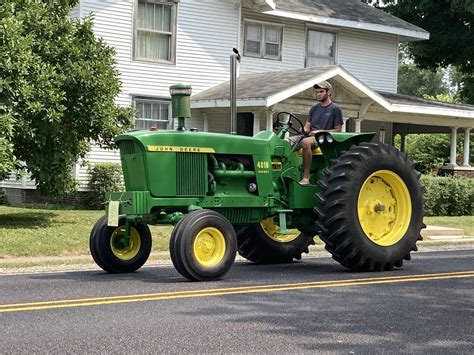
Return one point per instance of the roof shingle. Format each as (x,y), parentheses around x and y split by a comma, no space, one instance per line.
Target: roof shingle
(351,10)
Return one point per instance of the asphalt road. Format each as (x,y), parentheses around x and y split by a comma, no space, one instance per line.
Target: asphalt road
(311,306)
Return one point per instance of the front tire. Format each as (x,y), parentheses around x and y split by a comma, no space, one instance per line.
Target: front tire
(371,208)
(116,254)
(262,243)
(203,246)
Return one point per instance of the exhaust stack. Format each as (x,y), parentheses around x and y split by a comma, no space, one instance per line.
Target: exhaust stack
(234,63)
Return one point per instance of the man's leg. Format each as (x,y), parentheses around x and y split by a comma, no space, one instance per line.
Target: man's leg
(307,146)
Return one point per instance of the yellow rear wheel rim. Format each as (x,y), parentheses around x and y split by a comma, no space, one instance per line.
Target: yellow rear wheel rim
(122,248)
(209,246)
(384,207)
(272,230)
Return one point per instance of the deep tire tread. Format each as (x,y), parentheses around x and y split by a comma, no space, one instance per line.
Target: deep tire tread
(254,245)
(339,228)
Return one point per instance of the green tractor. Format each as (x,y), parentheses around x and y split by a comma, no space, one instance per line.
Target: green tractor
(227,193)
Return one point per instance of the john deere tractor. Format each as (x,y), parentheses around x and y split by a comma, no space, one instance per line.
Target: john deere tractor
(226,193)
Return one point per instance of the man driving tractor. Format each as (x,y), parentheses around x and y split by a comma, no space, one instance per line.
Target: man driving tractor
(324,116)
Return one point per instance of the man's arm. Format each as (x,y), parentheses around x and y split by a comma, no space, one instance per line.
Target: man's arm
(307,127)
(335,129)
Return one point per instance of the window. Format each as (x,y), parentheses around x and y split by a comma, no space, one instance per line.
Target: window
(155,30)
(245,124)
(320,49)
(262,40)
(152,113)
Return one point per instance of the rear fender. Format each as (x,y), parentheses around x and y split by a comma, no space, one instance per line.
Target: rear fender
(341,141)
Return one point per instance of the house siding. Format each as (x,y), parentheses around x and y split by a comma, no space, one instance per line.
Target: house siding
(203,33)
(76,12)
(369,56)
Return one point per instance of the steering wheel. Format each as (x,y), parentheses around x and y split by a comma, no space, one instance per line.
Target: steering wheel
(292,117)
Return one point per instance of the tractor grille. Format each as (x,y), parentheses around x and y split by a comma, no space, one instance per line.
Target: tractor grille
(191,174)
(127,147)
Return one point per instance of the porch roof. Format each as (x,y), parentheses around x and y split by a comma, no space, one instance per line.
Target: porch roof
(269,88)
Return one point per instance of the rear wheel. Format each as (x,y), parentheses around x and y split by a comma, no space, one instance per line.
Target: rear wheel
(264,244)
(203,246)
(116,253)
(371,208)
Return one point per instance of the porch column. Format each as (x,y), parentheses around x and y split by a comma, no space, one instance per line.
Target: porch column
(256,122)
(269,123)
(358,122)
(465,162)
(402,142)
(382,135)
(452,156)
(205,117)
(344,120)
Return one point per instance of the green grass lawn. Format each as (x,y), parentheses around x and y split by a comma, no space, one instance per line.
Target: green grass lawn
(43,232)
(40,232)
(463,222)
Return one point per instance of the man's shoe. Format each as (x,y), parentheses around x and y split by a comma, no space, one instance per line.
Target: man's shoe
(304,181)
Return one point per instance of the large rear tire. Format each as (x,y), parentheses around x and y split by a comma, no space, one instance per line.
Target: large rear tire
(370,209)
(116,254)
(203,246)
(262,243)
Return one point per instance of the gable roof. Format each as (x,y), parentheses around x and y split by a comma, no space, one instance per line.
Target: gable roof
(269,88)
(348,13)
(280,85)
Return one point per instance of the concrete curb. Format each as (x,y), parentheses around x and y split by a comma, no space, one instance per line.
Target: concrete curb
(85,262)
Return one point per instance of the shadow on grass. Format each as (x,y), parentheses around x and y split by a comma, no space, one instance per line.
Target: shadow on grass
(27,220)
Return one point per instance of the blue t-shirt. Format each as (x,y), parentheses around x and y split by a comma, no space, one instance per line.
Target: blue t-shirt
(326,117)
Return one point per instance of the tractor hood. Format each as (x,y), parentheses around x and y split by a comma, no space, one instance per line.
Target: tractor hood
(200,142)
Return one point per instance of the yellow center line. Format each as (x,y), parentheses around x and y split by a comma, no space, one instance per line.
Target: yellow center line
(17,307)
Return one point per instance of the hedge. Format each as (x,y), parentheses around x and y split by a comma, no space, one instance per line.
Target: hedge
(448,196)
(103,177)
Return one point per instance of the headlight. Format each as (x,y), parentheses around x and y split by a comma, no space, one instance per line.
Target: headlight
(329,138)
(321,139)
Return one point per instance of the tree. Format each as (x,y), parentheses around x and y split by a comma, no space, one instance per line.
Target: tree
(428,151)
(431,151)
(450,23)
(58,87)
(420,82)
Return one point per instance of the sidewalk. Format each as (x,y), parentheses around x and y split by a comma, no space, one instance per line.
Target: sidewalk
(443,233)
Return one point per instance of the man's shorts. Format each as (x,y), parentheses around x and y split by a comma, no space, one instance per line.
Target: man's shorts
(296,139)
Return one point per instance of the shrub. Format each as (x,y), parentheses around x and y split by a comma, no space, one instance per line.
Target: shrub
(448,196)
(3,199)
(103,177)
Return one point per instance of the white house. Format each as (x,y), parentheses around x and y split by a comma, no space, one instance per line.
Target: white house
(286,46)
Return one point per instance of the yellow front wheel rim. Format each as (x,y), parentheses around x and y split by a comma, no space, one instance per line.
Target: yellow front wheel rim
(272,230)
(209,246)
(125,248)
(384,207)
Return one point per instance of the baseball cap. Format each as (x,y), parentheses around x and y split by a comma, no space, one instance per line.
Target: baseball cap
(323,85)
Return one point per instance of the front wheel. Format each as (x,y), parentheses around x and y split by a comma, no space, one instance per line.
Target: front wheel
(370,209)
(114,252)
(203,246)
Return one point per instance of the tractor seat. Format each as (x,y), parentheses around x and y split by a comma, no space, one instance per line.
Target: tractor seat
(315,151)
